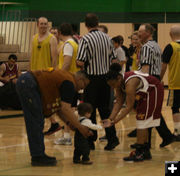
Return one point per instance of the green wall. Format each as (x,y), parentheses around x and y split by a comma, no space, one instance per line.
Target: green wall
(103,5)
(73,11)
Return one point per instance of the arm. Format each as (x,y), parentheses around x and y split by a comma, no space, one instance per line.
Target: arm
(54,54)
(67,63)
(117,104)
(2,70)
(67,55)
(163,70)
(67,115)
(30,54)
(166,57)
(81,56)
(145,68)
(131,86)
(130,98)
(90,125)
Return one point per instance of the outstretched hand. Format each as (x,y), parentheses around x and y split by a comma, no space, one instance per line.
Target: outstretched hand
(107,123)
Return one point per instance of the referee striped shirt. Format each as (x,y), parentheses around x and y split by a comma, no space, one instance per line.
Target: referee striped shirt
(150,54)
(96,51)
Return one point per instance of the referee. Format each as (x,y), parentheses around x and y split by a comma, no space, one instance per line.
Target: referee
(95,55)
(150,62)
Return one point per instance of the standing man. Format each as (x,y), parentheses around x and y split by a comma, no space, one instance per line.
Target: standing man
(67,61)
(150,62)
(43,55)
(171,57)
(44,47)
(95,54)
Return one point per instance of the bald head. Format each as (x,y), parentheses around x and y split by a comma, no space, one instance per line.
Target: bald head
(175,32)
(42,19)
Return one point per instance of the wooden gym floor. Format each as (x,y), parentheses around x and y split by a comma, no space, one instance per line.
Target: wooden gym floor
(15,158)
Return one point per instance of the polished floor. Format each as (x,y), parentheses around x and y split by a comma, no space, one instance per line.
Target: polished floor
(15,158)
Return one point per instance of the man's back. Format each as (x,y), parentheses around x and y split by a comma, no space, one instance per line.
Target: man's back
(96,49)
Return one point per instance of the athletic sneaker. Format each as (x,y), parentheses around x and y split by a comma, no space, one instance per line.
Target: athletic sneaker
(103,138)
(54,127)
(140,154)
(63,141)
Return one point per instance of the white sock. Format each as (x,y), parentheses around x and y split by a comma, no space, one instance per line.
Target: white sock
(67,135)
(177,128)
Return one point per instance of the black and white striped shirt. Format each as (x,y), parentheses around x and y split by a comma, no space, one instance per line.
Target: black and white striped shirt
(96,51)
(150,54)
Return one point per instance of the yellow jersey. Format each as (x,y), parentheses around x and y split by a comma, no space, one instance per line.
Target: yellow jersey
(73,67)
(41,53)
(174,67)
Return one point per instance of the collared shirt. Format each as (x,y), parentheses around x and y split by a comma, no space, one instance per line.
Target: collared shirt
(87,122)
(96,51)
(150,54)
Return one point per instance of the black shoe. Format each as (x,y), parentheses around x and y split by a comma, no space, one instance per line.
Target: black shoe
(54,127)
(103,138)
(147,155)
(43,161)
(135,145)
(111,145)
(88,162)
(177,138)
(134,157)
(167,142)
(91,145)
(133,133)
(77,161)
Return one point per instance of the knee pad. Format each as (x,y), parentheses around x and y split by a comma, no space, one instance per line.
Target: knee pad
(175,110)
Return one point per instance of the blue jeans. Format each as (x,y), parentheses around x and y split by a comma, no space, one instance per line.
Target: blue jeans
(29,96)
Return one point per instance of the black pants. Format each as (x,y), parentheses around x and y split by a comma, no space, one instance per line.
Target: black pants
(81,147)
(97,93)
(163,131)
(9,97)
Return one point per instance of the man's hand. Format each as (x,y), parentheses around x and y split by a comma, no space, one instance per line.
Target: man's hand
(6,79)
(85,131)
(107,123)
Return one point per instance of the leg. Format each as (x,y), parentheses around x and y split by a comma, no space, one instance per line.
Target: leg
(54,126)
(176,114)
(104,111)
(142,151)
(34,120)
(32,107)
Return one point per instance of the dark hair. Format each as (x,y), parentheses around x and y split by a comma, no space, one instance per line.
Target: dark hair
(118,39)
(105,29)
(149,28)
(83,73)
(66,29)
(54,28)
(91,20)
(74,28)
(84,108)
(12,56)
(114,71)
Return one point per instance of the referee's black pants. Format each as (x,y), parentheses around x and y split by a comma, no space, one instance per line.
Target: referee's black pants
(97,93)
(162,130)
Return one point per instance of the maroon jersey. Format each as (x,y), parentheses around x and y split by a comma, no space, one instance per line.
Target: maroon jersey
(149,95)
(11,72)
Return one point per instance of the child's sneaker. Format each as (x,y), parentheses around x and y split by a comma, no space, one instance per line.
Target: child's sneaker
(63,141)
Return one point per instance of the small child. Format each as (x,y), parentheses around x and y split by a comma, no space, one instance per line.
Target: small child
(81,143)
